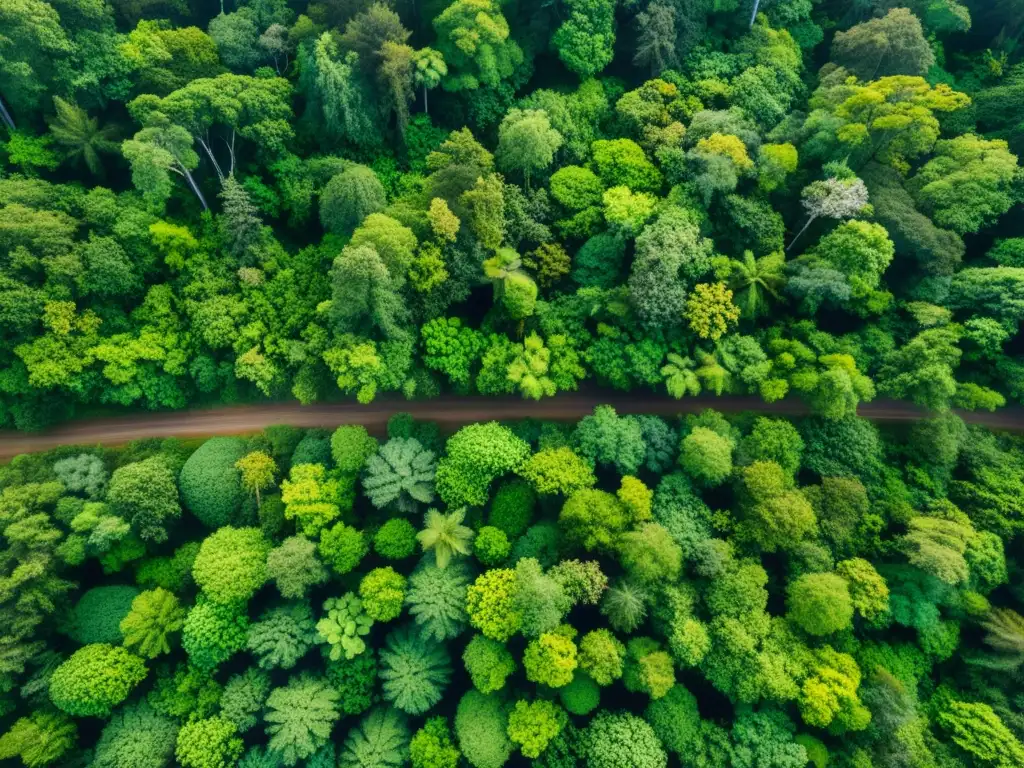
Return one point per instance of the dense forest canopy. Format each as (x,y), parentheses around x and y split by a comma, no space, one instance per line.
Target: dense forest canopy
(626,591)
(205,202)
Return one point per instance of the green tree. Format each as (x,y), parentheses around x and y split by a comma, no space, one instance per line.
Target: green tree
(983,174)
(526,142)
(300,717)
(437,599)
(381,739)
(244,697)
(80,136)
(432,747)
(208,743)
(382,591)
(344,626)
(136,736)
(144,493)
(550,659)
(258,472)
(820,603)
(585,41)
(891,45)
(612,739)
(473,37)
(481,724)
(401,474)
(491,604)
(475,456)
(95,679)
(40,739)
(349,198)
(979,732)
(488,662)
(155,616)
(213,633)
(282,636)
(232,564)
(533,724)
(414,672)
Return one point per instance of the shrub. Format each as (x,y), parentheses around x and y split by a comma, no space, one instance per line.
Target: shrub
(95,679)
(83,474)
(355,680)
(601,656)
(40,739)
(145,494)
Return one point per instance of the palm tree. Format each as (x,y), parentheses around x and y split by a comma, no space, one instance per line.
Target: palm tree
(753,280)
(445,535)
(82,136)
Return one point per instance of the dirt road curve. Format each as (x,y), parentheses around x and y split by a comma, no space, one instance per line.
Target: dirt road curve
(449,411)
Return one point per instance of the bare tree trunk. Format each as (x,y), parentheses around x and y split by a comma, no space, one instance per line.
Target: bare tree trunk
(9,121)
(753,14)
(426,106)
(213,159)
(810,220)
(195,187)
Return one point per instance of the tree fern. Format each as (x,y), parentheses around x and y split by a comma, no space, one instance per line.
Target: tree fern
(400,474)
(445,535)
(282,636)
(300,717)
(381,740)
(414,672)
(437,599)
(81,136)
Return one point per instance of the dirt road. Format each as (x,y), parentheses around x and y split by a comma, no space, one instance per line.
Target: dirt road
(450,411)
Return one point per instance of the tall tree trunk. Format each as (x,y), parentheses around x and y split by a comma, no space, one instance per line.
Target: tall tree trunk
(209,153)
(195,187)
(9,121)
(753,14)
(426,106)
(810,220)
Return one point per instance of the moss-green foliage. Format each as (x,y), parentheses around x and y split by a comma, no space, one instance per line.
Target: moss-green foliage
(383,592)
(381,739)
(413,672)
(95,679)
(185,692)
(396,539)
(351,446)
(512,508)
(243,698)
(210,484)
(151,624)
(342,547)
(213,633)
(619,738)
(437,599)
(491,545)
(299,718)
(39,739)
(432,747)
(232,564)
(582,696)
(96,617)
(208,743)
(136,737)
(488,662)
(481,723)
(355,680)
